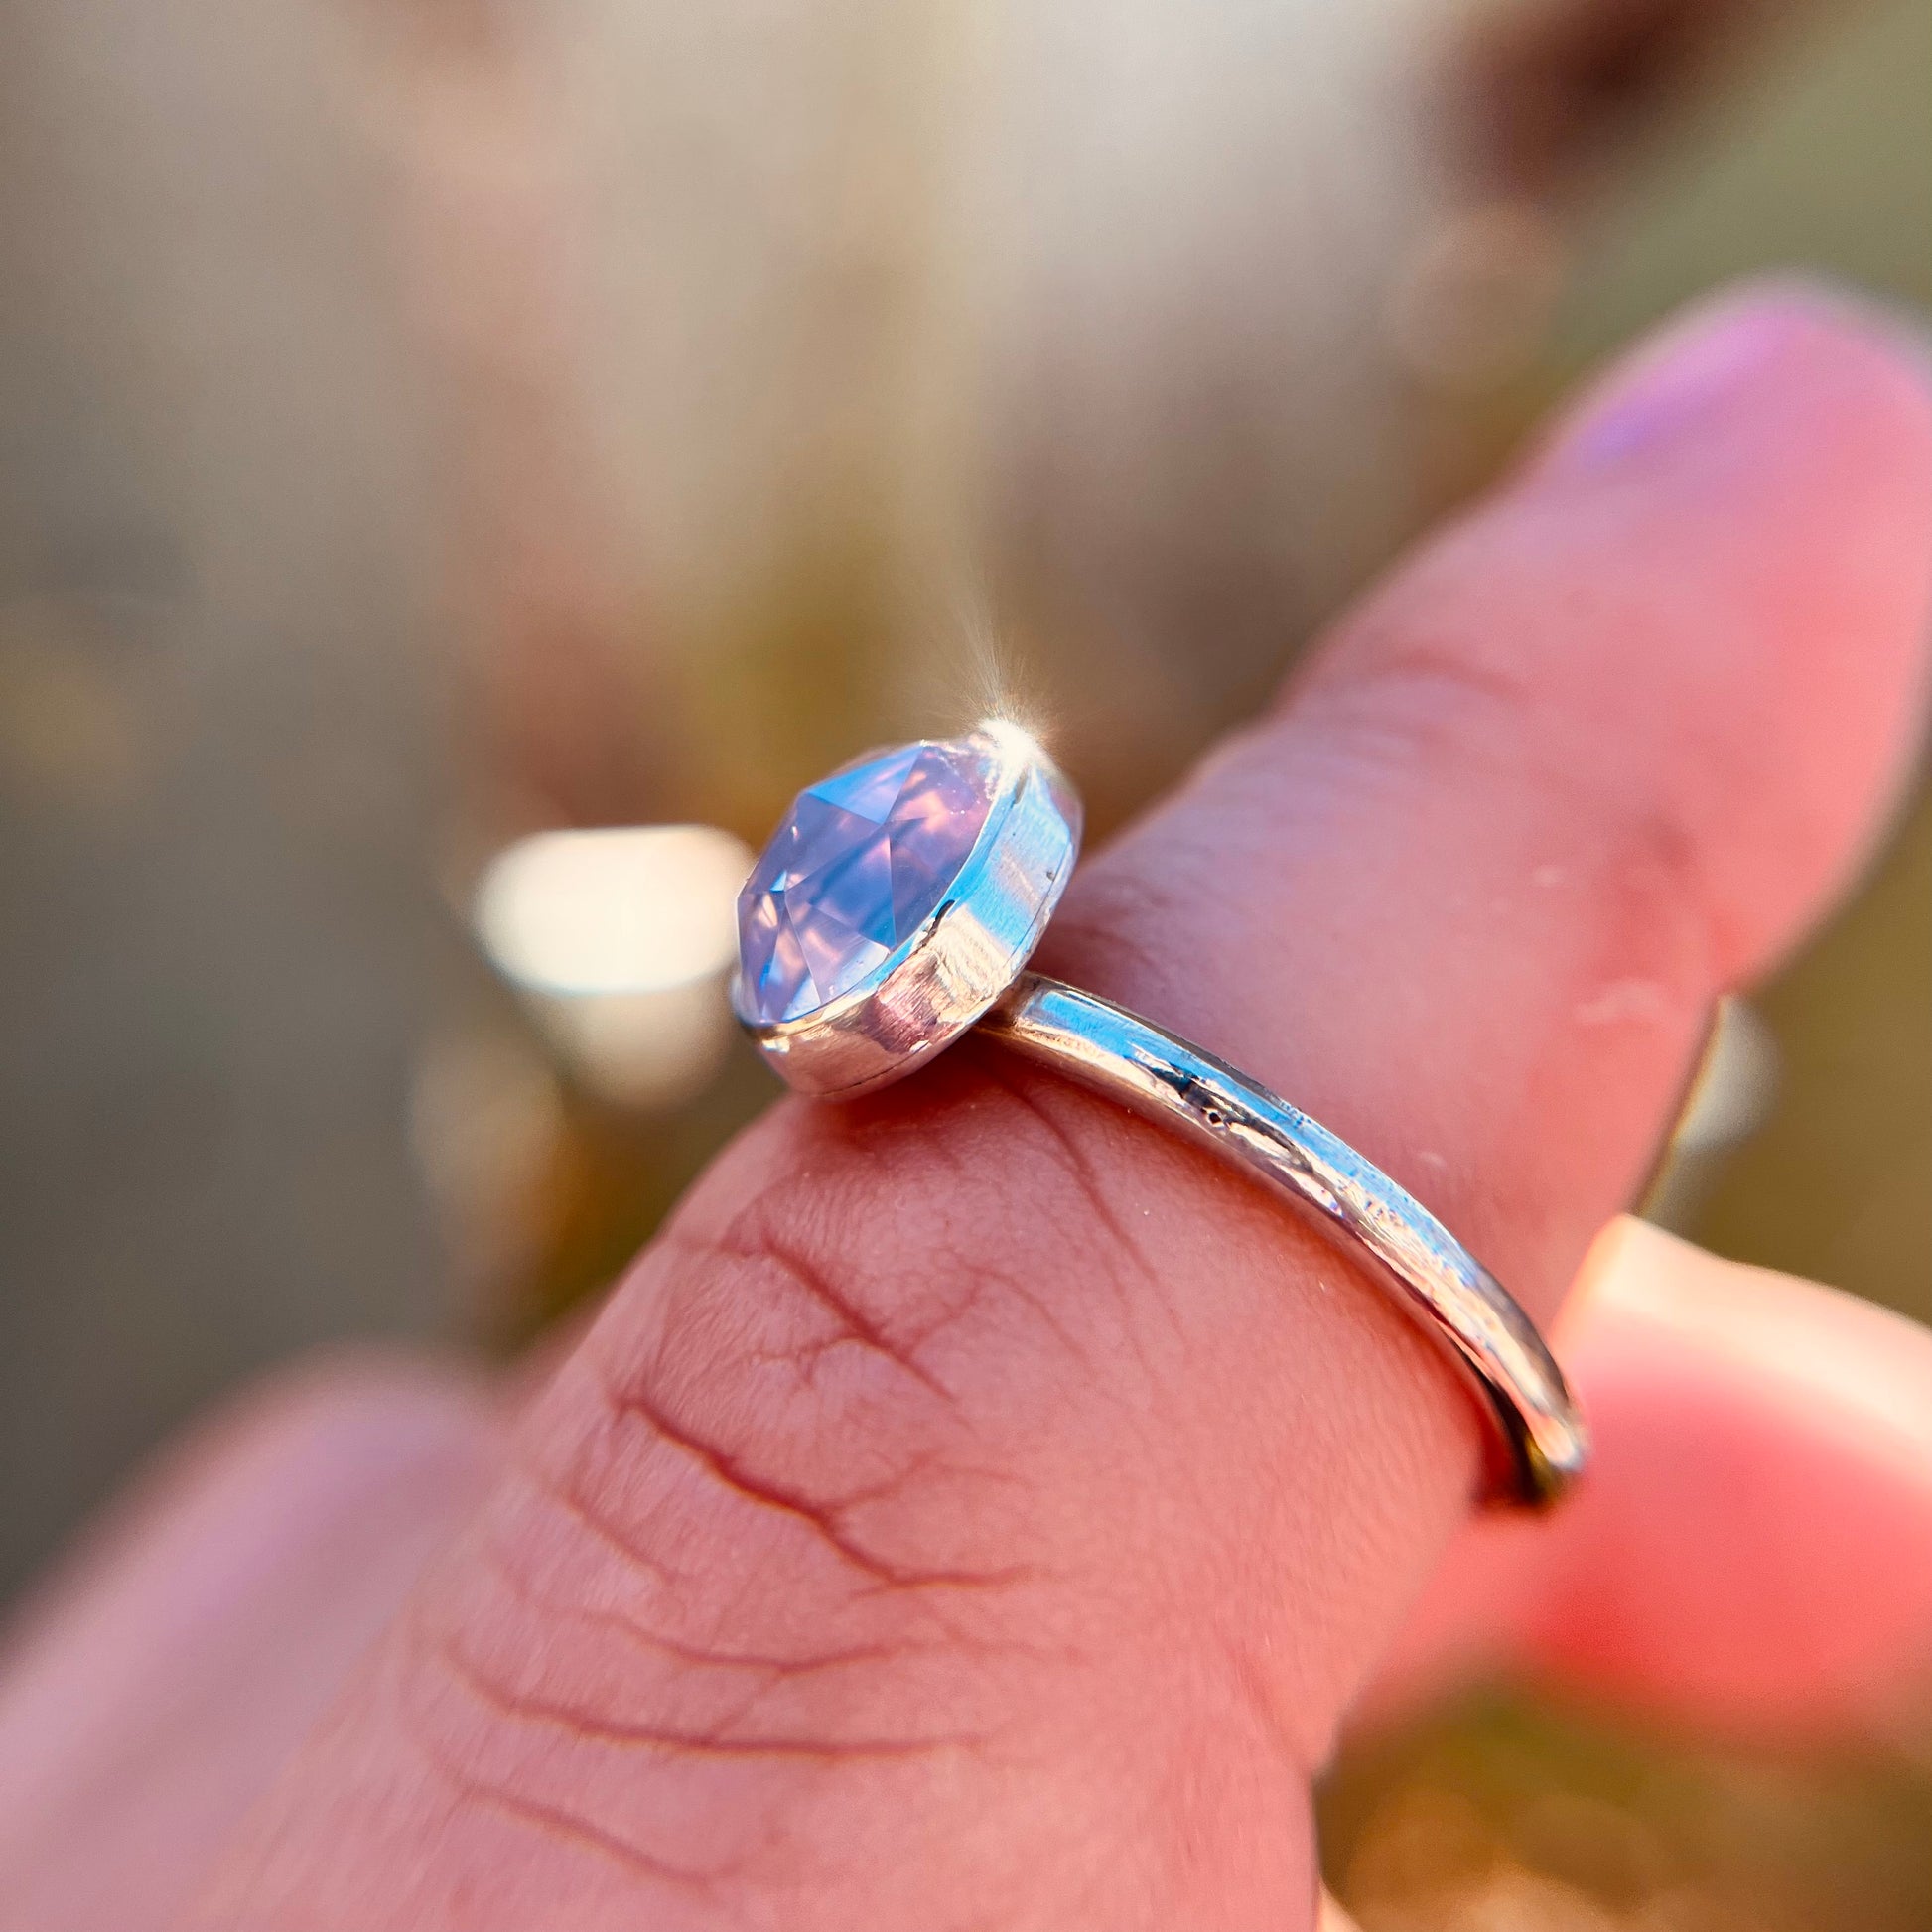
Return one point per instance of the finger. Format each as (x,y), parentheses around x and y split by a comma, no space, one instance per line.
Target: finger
(1753,1551)
(1609,745)
(148,1693)
(978,1509)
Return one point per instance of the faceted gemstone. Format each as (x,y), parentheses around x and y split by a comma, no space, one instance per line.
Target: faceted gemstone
(860,862)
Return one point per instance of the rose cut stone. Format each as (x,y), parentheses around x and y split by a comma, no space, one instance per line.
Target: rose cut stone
(861,860)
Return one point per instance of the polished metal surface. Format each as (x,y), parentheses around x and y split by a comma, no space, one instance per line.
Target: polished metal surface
(1464,1309)
(966,964)
(965,955)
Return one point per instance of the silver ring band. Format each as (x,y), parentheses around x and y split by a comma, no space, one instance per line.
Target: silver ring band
(897,906)
(1460,1305)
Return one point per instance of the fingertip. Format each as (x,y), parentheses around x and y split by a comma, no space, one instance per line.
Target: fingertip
(1757,1550)
(1830,1361)
(1775,344)
(1756,480)
(1753,1551)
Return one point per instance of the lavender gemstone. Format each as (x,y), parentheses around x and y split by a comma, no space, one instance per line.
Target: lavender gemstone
(861,860)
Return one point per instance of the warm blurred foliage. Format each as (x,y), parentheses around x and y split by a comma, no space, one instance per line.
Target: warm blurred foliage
(1505,1816)
(424,426)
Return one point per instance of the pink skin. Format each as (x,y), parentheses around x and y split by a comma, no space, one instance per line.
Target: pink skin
(1755,1553)
(978,1510)
(151,1688)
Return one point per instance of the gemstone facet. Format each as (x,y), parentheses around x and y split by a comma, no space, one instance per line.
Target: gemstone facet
(859,863)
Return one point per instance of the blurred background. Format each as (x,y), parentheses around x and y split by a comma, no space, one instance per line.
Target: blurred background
(433,434)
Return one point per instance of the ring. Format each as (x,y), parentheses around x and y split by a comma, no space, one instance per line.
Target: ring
(897,905)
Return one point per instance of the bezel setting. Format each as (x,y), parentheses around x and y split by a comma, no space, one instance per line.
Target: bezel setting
(963,956)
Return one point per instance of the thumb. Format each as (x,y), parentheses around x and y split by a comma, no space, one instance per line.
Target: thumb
(1754,1549)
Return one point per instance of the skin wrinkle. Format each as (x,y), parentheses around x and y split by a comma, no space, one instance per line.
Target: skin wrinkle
(957,1253)
(573,1504)
(733,1476)
(636,1400)
(805,1359)
(736,1479)
(1030,1092)
(1018,1289)
(896,1581)
(1436,692)
(775,1672)
(821,1158)
(553,1821)
(754,1236)
(700,1656)
(722,1885)
(518,1703)
(505,1704)
(747,1239)
(983,1101)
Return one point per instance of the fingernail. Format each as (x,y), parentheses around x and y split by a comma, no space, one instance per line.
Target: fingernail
(1672,390)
